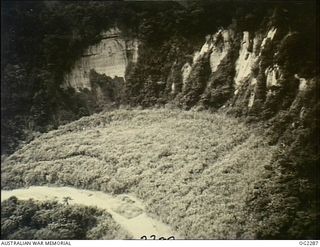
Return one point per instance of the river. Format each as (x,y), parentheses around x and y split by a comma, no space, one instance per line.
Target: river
(126,210)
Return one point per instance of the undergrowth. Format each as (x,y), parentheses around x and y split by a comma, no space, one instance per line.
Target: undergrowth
(196,171)
(52,220)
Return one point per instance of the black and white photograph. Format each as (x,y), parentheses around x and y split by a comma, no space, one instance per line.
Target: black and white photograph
(160,120)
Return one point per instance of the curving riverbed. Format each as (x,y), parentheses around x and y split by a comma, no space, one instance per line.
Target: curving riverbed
(126,210)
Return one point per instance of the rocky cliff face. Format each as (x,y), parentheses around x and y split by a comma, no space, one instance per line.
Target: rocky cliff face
(237,70)
(256,62)
(249,66)
(110,56)
(245,75)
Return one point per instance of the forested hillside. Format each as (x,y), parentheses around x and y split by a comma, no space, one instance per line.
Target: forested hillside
(251,64)
(42,40)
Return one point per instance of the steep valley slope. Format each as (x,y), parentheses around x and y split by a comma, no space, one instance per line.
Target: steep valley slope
(207,111)
(199,172)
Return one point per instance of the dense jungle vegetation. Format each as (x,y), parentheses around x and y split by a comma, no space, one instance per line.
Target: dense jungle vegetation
(42,39)
(52,220)
(270,153)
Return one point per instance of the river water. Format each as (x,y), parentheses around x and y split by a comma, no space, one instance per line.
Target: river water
(126,210)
